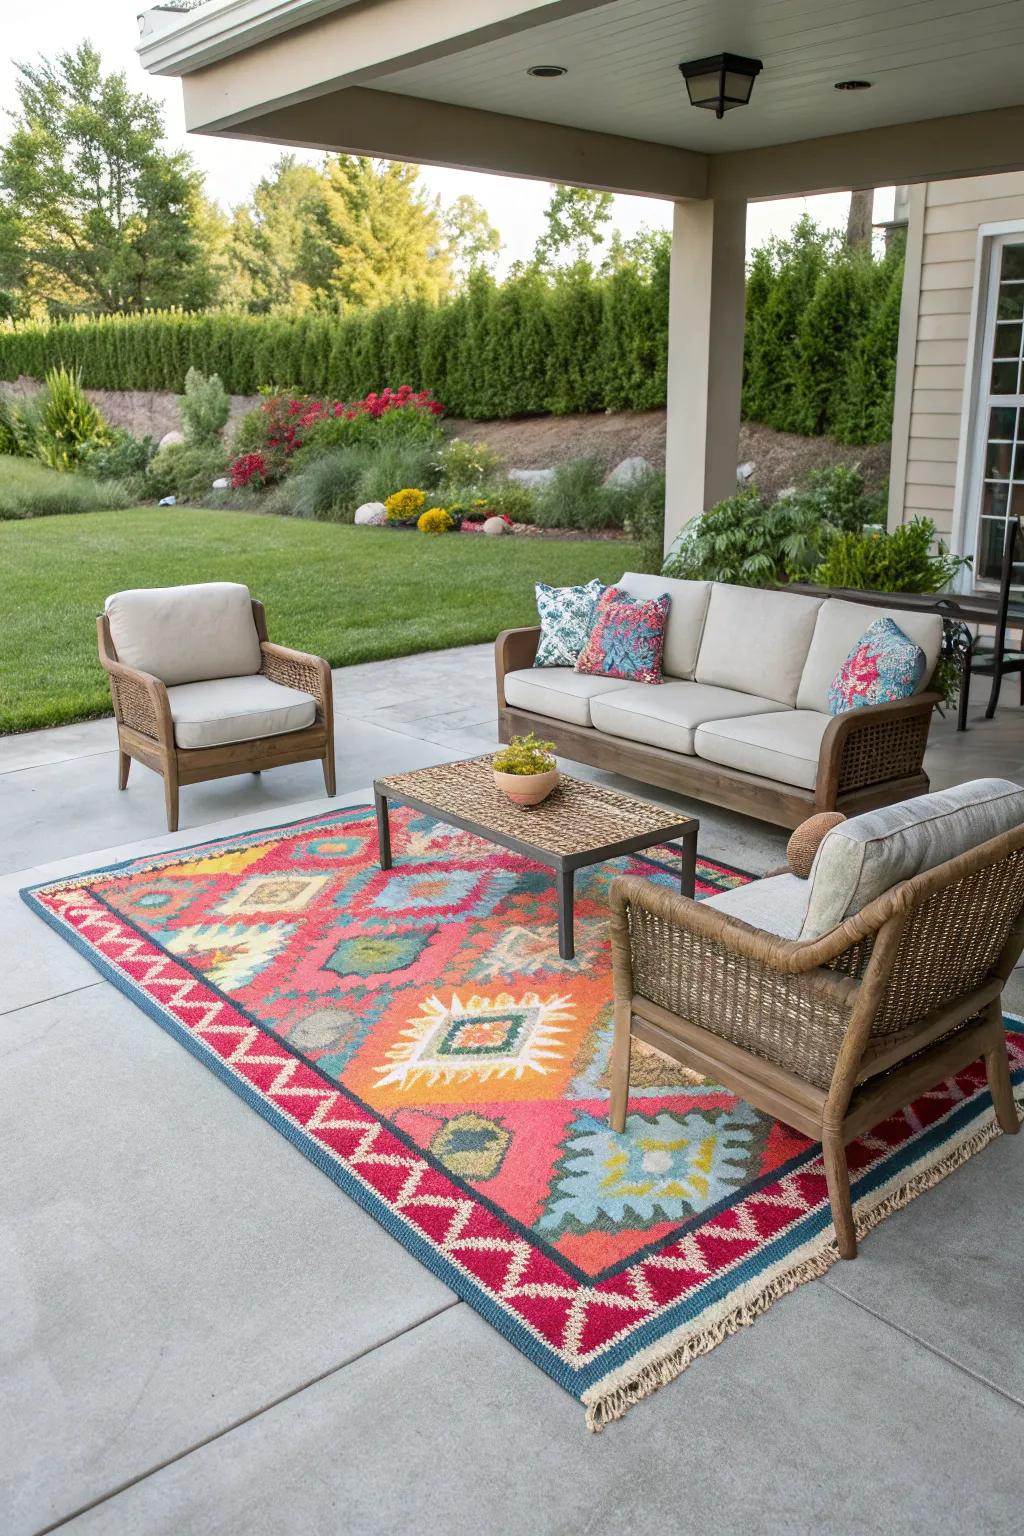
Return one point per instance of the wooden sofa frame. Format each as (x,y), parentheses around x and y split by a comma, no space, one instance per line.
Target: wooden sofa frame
(830,1035)
(868,757)
(145,730)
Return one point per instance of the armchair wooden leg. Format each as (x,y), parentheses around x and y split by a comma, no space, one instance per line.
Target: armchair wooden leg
(837,1177)
(171,799)
(329,774)
(618,1069)
(124,764)
(997,1070)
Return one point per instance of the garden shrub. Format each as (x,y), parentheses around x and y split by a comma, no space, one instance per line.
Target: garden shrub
(19,426)
(185,471)
(576,497)
(394,465)
(205,409)
(119,457)
(327,486)
(462,463)
(500,498)
(645,518)
(909,559)
(67,420)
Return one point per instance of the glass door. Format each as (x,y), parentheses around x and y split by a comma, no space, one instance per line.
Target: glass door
(1001,417)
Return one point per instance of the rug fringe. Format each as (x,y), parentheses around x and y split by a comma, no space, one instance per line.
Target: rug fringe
(615,1403)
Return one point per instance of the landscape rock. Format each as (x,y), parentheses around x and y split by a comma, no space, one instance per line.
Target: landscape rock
(222,484)
(629,471)
(495,526)
(745,472)
(170,438)
(371,514)
(532,478)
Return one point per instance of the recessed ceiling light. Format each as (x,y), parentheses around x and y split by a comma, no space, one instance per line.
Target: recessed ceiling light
(547,71)
(853,85)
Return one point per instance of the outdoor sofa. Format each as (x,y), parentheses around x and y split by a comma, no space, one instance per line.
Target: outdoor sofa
(741,718)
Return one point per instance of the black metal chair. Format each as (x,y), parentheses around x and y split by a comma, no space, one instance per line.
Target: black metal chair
(990,656)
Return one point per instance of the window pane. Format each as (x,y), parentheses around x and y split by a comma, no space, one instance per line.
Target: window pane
(1001,421)
(998,460)
(1013,261)
(1011,301)
(1008,334)
(991,532)
(1018,468)
(1004,378)
(994,499)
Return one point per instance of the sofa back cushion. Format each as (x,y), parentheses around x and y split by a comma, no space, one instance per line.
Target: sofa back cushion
(186,634)
(685,617)
(840,624)
(757,640)
(866,856)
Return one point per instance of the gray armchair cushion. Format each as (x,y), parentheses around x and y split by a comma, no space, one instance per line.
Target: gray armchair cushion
(867,855)
(226,709)
(186,634)
(777,904)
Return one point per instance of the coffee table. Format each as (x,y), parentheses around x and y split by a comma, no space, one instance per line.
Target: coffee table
(578,824)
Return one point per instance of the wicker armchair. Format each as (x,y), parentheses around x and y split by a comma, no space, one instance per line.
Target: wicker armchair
(829,1034)
(151,727)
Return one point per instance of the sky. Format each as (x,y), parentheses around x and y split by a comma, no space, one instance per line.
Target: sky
(515,206)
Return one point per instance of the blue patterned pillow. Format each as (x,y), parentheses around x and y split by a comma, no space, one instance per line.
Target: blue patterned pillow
(882,667)
(566,615)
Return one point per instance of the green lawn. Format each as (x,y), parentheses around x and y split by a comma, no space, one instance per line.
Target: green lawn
(30,489)
(350,594)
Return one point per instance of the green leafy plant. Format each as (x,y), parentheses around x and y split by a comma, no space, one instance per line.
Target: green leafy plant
(909,559)
(328,486)
(576,497)
(645,519)
(120,457)
(461,463)
(185,471)
(68,420)
(525,755)
(19,426)
(435,520)
(205,409)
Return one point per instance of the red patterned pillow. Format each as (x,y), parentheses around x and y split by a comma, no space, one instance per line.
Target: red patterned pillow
(627,638)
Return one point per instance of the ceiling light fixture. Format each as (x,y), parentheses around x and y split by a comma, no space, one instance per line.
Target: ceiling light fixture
(853,85)
(547,71)
(721,82)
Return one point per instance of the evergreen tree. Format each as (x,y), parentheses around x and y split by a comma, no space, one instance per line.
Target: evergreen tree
(94,214)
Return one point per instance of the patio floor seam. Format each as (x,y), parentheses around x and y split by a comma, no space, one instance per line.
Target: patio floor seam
(916,1338)
(52,997)
(247,1418)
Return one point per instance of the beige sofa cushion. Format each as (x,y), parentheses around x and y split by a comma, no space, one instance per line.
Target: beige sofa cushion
(777,904)
(186,634)
(756,641)
(783,746)
(685,617)
(213,713)
(667,714)
(840,625)
(560,692)
(867,855)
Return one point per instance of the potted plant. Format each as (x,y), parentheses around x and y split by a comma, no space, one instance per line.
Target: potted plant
(525,770)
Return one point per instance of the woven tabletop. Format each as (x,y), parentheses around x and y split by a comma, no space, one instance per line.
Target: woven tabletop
(575,817)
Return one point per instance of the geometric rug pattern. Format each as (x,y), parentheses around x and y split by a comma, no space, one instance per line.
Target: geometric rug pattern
(416,1034)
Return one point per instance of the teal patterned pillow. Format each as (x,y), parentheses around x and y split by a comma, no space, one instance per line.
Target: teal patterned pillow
(566,614)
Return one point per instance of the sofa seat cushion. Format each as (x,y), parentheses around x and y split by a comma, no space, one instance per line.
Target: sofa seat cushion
(560,692)
(685,617)
(668,715)
(840,624)
(776,905)
(226,709)
(756,640)
(782,746)
(866,856)
(186,634)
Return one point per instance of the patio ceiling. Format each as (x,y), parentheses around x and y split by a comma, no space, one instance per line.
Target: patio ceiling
(437,80)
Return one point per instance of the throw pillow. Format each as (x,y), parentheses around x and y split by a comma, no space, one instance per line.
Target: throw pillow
(628,637)
(803,844)
(882,667)
(566,616)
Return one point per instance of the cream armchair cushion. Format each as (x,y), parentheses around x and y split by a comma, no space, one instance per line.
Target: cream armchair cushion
(214,713)
(186,634)
(867,855)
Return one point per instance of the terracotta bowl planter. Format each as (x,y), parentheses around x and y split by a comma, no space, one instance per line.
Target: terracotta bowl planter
(526,788)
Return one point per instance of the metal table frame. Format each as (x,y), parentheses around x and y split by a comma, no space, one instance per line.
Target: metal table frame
(564,866)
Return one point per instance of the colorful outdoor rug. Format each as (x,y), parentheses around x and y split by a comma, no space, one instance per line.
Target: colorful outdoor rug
(417,1036)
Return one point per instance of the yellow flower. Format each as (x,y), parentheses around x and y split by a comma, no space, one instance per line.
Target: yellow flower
(403,504)
(434,520)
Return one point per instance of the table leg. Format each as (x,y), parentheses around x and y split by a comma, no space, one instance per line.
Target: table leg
(565,887)
(688,863)
(383,830)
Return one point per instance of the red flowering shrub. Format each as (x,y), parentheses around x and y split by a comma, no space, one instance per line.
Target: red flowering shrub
(249,469)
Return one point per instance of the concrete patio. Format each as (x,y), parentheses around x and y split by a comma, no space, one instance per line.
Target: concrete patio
(202,1334)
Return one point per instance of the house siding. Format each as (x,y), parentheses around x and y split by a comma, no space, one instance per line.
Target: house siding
(935,327)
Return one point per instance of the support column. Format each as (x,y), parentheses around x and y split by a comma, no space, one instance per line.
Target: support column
(705,357)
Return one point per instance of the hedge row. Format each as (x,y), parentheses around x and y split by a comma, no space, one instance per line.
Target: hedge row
(821,344)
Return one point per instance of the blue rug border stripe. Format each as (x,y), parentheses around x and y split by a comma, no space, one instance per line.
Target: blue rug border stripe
(575,1382)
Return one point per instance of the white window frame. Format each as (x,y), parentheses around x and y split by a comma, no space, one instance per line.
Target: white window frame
(974,413)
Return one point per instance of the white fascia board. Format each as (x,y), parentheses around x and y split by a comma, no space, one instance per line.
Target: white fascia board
(178,42)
